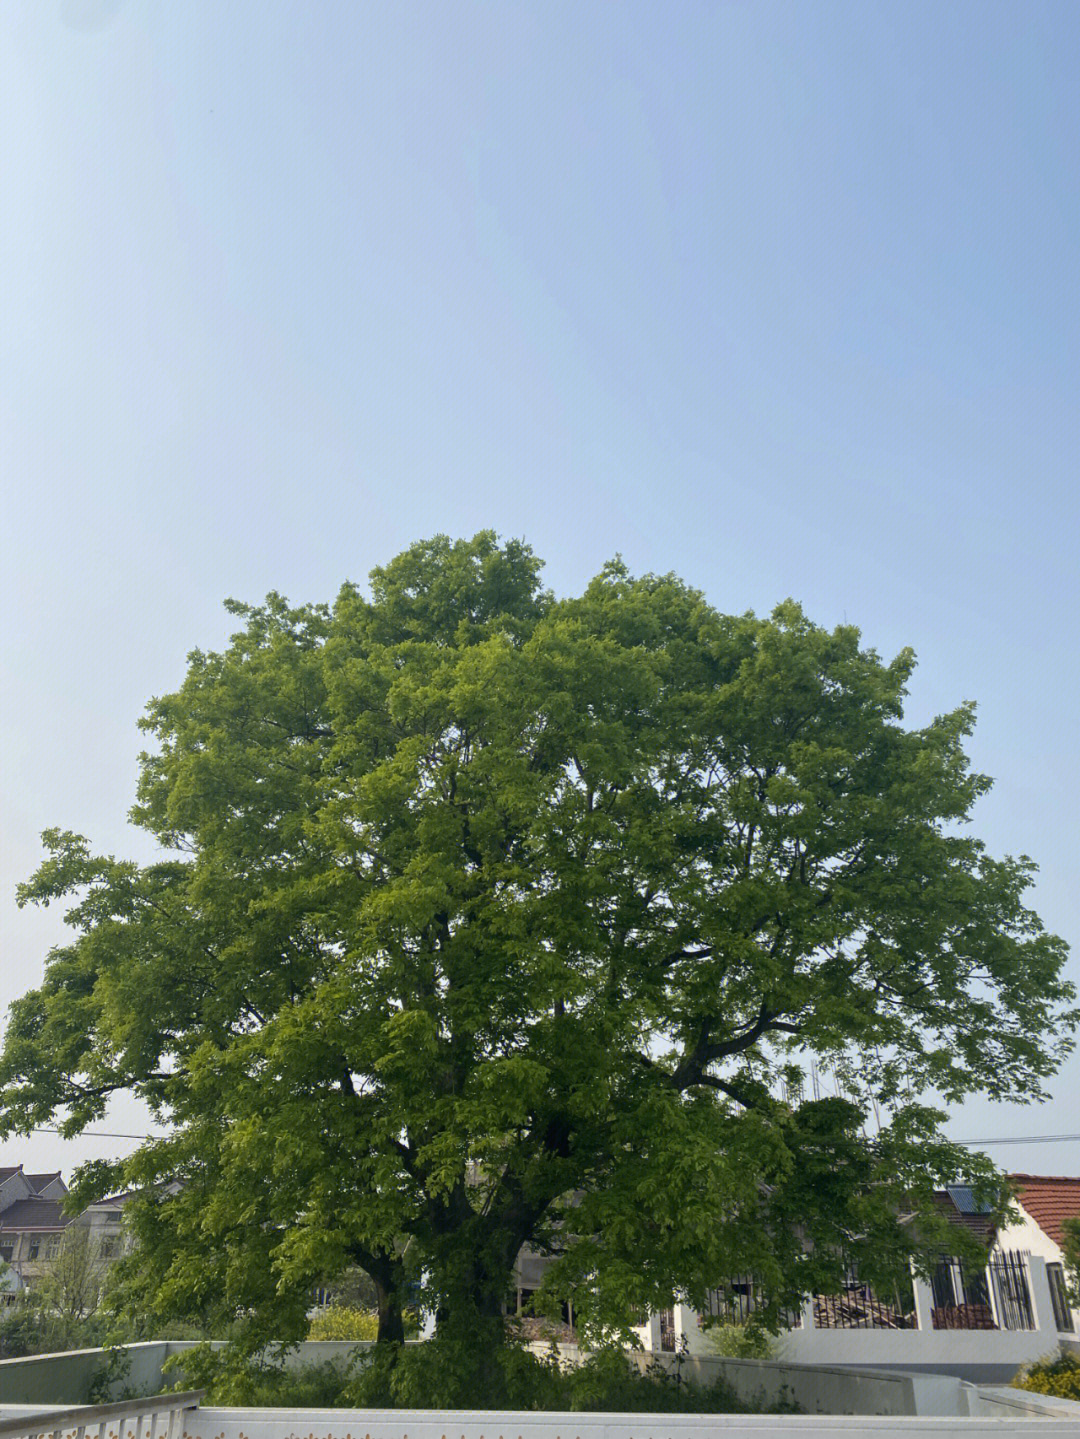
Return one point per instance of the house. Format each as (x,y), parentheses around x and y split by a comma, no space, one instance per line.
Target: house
(1044,1201)
(105,1221)
(33,1222)
(981,1324)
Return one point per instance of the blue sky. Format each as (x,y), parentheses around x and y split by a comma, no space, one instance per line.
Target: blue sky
(782,297)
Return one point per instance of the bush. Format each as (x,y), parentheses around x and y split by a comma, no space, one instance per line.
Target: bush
(445,1375)
(738,1341)
(1058,1375)
(27,1327)
(342,1322)
(231,1377)
(316,1386)
(456,1375)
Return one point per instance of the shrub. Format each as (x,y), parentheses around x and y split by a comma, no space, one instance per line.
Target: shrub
(1058,1375)
(341,1321)
(739,1341)
(443,1375)
(450,1376)
(231,1377)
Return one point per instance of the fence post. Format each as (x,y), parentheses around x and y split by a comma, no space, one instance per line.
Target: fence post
(808,1320)
(924,1302)
(1042,1304)
(652,1332)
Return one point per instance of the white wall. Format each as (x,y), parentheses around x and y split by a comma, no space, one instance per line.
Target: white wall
(1026,1234)
(497,1424)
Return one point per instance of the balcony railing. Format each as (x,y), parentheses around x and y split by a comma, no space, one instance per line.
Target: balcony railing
(161,1417)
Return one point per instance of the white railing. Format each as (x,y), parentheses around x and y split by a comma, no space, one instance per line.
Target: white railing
(161,1417)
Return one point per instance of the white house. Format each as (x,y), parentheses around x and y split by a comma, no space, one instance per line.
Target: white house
(1044,1201)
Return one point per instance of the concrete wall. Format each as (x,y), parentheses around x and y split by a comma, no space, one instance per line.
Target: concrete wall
(64,1379)
(1001,1403)
(980,1355)
(310,1352)
(59,1380)
(820,1390)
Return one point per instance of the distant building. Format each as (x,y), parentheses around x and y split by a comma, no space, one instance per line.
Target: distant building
(33,1222)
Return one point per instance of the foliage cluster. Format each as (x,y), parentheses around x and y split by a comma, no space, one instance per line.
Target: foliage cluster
(32,1326)
(419,1377)
(27,1327)
(1058,1375)
(1070,1249)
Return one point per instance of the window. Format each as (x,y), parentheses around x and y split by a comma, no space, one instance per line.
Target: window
(1059,1297)
(7,1249)
(110,1247)
(36,1243)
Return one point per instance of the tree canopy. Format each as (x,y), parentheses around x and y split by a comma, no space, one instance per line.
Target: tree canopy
(485,917)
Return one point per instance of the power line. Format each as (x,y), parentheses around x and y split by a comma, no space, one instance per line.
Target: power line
(1021,1139)
(93,1133)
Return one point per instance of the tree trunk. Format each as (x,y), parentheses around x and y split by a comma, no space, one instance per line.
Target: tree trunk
(473,1303)
(386,1273)
(391,1322)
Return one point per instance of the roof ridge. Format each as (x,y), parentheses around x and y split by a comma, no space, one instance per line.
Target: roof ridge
(1048,1178)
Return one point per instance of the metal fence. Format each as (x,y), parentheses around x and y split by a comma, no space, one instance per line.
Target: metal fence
(997,1298)
(961,1297)
(1011,1290)
(740,1299)
(857,1306)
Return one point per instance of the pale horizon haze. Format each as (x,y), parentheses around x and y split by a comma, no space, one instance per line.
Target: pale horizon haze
(782,297)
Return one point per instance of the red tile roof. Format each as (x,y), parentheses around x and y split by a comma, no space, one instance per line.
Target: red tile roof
(1048,1199)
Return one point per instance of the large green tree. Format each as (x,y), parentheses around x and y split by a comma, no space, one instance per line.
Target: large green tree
(485,918)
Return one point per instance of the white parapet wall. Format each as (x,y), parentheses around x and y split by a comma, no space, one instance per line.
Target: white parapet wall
(979,1355)
(498,1424)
